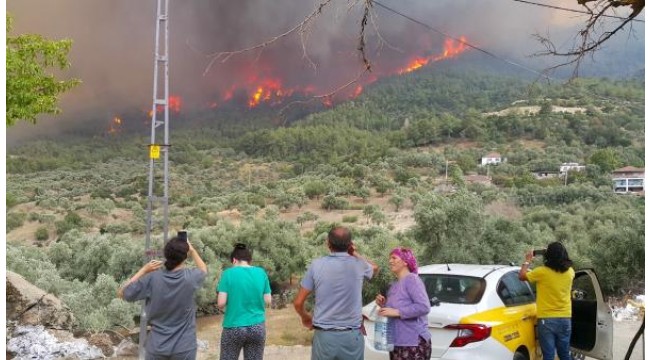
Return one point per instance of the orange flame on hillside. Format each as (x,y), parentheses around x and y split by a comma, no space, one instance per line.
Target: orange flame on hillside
(357,91)
(115,126)
(327,101)
(452,48)
(174,103)
(267,89)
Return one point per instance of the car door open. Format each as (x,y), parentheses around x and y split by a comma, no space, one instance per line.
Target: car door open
(591,319)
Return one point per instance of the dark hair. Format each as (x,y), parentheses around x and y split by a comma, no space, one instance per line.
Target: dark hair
(339,239)
(557,258)
(241,253)
(175,252)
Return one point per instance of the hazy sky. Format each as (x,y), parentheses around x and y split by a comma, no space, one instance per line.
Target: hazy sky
(113,44)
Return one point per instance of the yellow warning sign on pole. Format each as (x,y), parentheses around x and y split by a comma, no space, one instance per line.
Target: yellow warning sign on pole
(154,151)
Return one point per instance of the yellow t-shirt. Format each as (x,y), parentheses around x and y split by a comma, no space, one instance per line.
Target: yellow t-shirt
(553,291)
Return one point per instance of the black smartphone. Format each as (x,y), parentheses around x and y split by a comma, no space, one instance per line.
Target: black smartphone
(539,252)
(182,235)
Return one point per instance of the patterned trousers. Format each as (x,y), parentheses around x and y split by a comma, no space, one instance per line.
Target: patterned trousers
(250,338)
(420,352)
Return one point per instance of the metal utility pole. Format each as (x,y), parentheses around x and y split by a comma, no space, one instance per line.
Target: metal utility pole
(159,127)
(446,166)
(566,177)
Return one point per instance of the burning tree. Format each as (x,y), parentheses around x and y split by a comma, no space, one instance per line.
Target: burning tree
(30,90)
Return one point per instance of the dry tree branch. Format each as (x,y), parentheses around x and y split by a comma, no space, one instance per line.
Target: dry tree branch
(382,41)
(328,95)
(344,86)
(303,28)
(362,34)
(589,42)
(223,56)
(305,32)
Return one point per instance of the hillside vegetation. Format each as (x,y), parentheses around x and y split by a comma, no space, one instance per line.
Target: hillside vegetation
(393,165)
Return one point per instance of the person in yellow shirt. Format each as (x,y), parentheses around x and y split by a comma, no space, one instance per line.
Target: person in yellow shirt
(554,281)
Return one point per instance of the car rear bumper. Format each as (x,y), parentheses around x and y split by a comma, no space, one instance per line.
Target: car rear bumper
(484,350)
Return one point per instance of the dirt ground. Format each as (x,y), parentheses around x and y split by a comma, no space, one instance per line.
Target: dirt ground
(288,323)
(624,331)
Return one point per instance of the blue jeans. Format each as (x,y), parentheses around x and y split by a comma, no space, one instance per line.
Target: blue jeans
(554,334)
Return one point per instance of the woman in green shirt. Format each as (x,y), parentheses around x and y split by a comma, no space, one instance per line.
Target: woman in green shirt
(243,293)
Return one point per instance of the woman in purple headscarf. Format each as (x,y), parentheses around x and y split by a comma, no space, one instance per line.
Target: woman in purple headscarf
(407,304)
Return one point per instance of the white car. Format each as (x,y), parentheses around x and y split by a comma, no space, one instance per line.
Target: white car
(485,312)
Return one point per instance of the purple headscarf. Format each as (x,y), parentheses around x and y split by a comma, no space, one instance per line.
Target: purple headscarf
(407,256)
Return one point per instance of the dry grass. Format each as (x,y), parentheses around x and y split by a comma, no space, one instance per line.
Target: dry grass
(283,328)
(505,209)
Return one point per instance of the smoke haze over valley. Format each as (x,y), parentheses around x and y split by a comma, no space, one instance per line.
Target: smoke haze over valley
(112,50)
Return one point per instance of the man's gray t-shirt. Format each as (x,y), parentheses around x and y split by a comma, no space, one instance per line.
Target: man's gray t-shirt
(170,307)
(336,281)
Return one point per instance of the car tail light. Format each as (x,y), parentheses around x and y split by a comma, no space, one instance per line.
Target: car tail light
(469,333)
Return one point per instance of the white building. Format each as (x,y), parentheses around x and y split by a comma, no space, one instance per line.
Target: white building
(571,167)
(492,158)
(628,179)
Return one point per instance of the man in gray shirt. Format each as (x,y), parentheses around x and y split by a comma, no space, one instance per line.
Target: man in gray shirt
(336,280)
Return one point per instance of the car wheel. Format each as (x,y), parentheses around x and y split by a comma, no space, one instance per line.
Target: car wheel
(520,356)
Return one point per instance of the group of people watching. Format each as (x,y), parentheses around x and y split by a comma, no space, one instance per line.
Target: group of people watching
(336,281)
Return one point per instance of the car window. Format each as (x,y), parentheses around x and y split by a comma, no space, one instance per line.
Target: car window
(583,288)
(454,289)
(513,291)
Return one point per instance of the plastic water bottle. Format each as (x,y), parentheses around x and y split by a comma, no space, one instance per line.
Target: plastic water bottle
(383,339)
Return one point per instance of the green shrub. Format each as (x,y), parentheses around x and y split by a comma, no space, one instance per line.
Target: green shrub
(15,220)
(41,234)
(350,218)
(118,228)
(72,218)
(314,189)
(63,227)
(332,202)
(34,216)
(306,216)
(101,193)
(101,206)
(11,200)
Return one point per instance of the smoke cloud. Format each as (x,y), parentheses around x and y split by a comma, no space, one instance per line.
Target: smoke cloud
(113,45)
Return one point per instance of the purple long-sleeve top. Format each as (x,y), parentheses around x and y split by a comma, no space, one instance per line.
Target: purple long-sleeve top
(409,296)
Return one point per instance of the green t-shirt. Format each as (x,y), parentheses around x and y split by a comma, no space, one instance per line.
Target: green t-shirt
(245,287)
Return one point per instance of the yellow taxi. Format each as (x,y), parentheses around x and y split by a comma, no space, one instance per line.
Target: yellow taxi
(485,312)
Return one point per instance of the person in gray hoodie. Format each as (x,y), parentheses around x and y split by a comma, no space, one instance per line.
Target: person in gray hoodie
(169,301)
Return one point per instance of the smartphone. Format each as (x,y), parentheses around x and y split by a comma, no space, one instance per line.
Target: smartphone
(539,252)
(351,248)
(182,235)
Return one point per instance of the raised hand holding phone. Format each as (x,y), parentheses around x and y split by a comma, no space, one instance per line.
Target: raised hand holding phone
(351,249)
